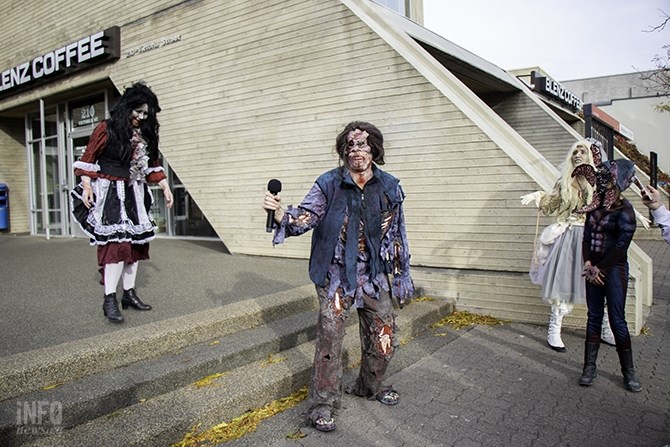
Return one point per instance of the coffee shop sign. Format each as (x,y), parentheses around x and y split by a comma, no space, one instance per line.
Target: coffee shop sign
(554,89)
(153,45)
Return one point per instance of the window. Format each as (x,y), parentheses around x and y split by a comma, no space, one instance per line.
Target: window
(396,5)
(87,113)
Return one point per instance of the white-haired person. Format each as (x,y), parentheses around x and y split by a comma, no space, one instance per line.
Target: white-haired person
(557,263)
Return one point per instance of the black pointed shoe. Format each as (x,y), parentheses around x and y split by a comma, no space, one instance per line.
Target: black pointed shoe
(110,308)
(131,299)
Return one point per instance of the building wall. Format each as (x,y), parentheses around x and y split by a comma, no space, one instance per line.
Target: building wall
(66,24)
(602,89)
(652,128)
(259,89)
(14,173)
(254,90)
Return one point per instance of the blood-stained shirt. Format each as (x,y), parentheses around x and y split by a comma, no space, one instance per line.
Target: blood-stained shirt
(394,249)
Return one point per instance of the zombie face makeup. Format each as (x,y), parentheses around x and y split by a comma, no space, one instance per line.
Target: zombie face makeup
(359,153)
(139,115)
(357,141)
(579,156)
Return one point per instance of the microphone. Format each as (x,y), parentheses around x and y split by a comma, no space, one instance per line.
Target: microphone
(274,186)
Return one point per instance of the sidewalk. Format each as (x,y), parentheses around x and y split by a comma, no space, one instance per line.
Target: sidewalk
(501,386)
(50,294)
(483,386)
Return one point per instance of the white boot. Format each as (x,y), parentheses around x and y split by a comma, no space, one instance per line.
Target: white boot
(554,331)
(606,335)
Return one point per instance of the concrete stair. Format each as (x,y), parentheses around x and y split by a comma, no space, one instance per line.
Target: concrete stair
(140,388)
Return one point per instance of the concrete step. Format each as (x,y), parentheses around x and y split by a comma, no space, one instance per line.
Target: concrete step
(164,418)
(31,371)
(108,391)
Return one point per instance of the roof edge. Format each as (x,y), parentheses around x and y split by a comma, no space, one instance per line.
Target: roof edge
(517,148)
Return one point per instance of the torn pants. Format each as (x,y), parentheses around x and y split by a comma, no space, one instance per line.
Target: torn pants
(378,344)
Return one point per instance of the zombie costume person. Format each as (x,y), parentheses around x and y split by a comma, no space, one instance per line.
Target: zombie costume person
(358,240)
(557,262)
(609,229)
(652,200)
(113,201)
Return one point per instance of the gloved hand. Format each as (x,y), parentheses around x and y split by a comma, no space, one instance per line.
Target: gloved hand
(643,220)
(533,196)
(593,274)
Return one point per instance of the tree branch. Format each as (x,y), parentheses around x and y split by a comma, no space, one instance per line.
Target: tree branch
(661,26)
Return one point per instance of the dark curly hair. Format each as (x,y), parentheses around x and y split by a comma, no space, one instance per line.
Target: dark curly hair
(375,141)
(119,129)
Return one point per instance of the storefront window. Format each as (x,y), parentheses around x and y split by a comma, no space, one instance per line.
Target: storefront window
(185,217)
(188,218)
(396,5)
(51,173)
(50,125)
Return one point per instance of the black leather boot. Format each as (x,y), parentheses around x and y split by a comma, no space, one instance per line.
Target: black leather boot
(131,299)
(630,379)
(111,309)
(590,357)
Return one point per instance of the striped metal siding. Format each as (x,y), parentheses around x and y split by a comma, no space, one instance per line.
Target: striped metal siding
(536,126)
(265,99)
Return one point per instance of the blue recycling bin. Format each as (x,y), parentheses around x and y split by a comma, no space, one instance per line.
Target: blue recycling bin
(4,207)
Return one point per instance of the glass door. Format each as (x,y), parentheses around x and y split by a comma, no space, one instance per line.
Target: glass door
(56,137)
(82,117)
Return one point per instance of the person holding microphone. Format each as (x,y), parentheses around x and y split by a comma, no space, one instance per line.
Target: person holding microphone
(359,259)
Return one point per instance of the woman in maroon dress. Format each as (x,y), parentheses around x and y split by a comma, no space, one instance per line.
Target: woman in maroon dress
(113,201)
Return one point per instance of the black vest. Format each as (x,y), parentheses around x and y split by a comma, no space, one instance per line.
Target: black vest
(344,197)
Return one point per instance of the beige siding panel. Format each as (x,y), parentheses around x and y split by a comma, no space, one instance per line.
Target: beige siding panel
(286,77)
(62,23)
(507,296)
(537,127)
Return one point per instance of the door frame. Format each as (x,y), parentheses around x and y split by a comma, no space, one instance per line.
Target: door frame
(41,218)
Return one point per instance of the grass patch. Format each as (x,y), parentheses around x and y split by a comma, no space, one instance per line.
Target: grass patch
(461,319)
(423,298)
(241,425)
(207,381)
